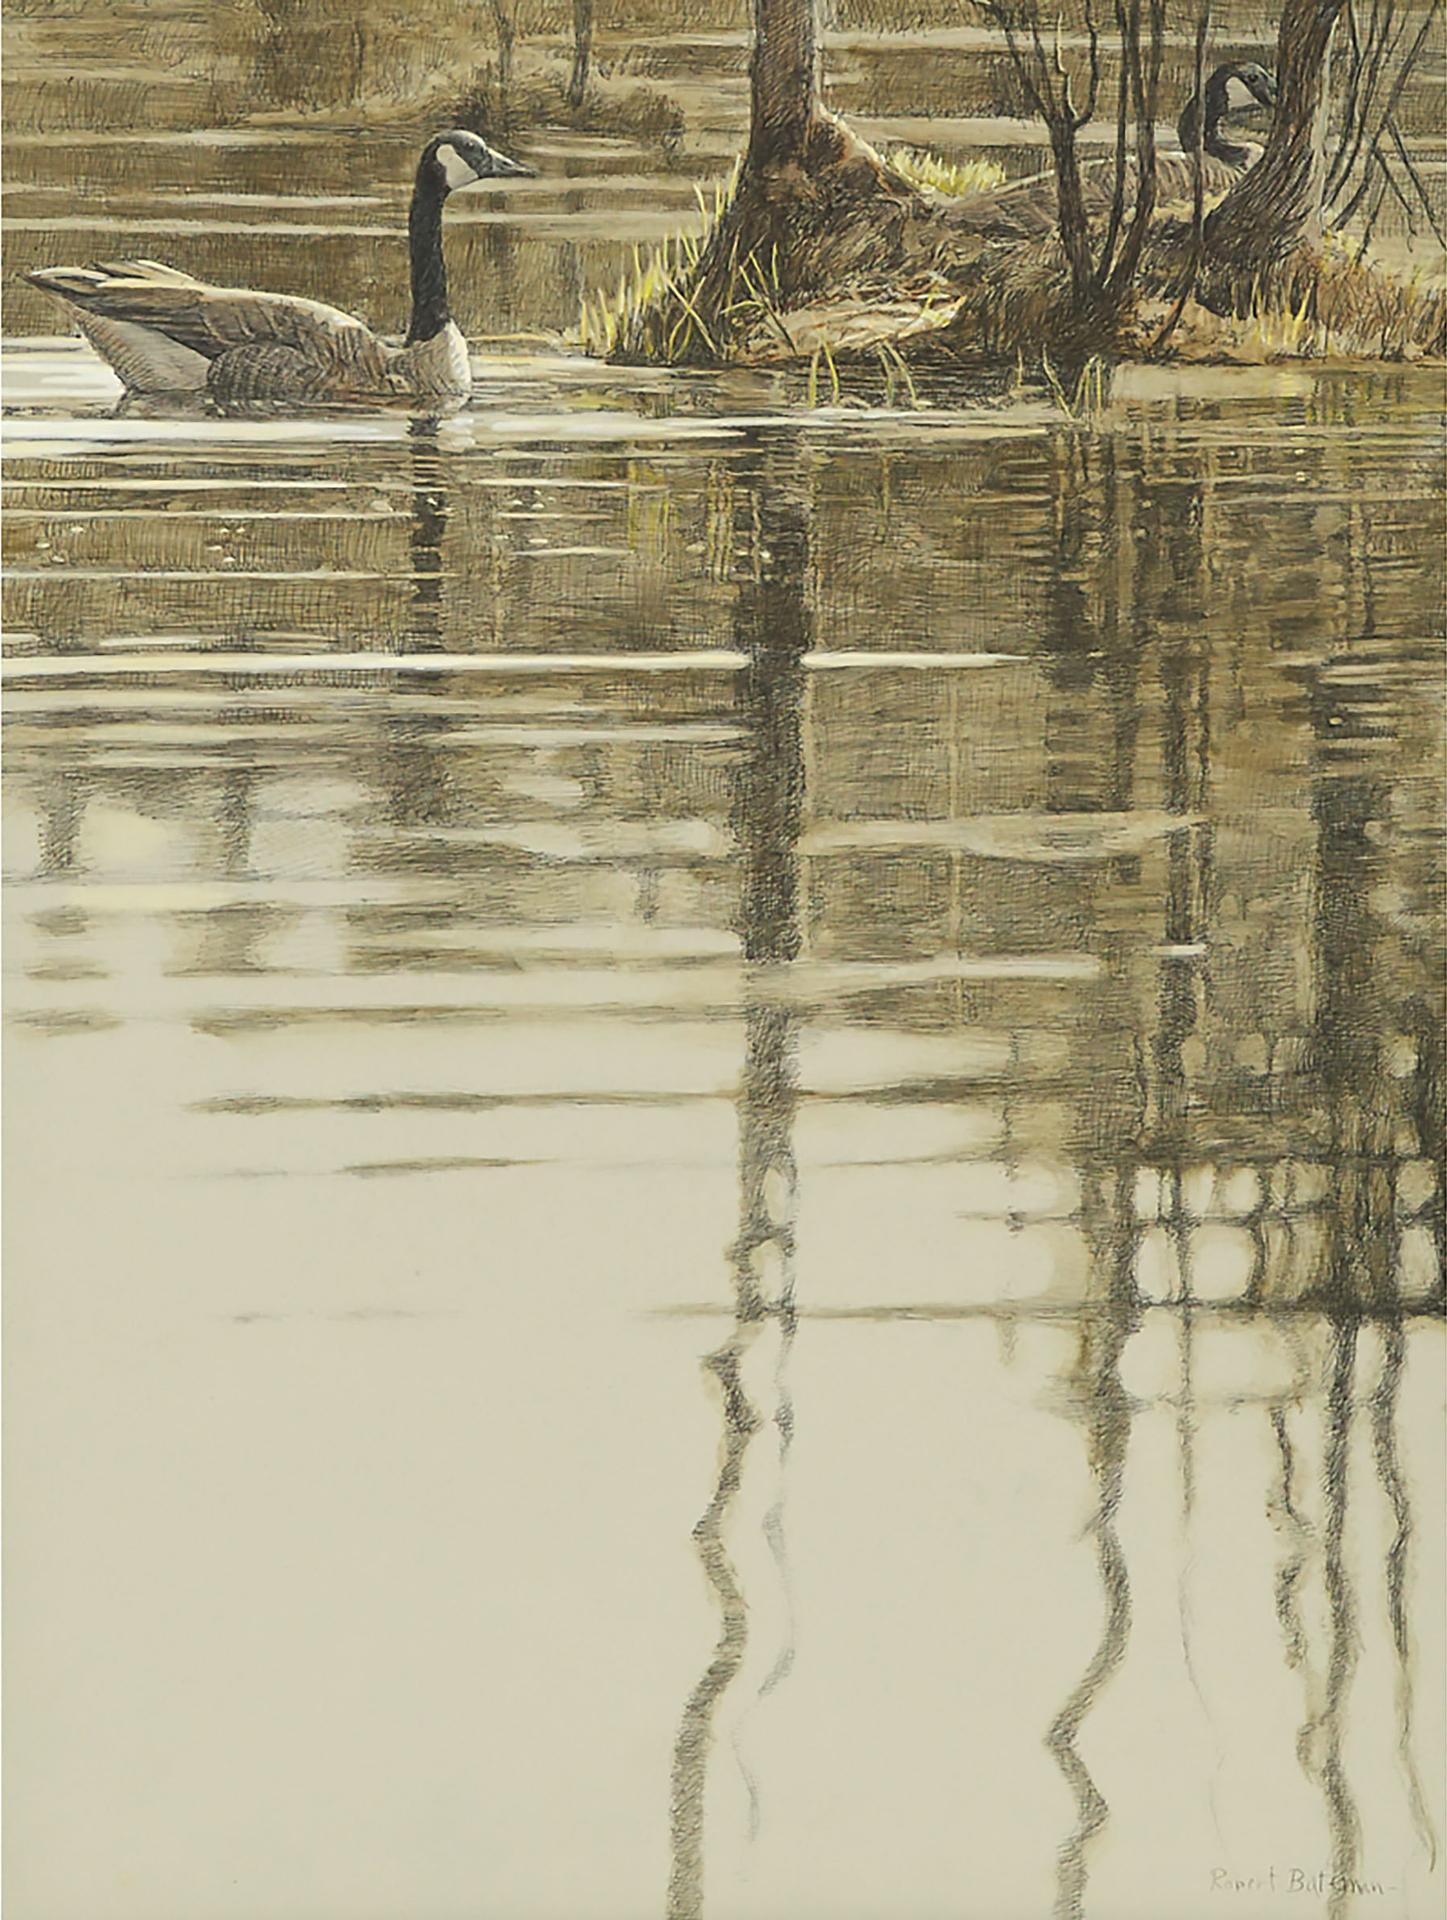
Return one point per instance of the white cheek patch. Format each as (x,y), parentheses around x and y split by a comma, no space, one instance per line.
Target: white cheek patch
(455,169)
(1238,94)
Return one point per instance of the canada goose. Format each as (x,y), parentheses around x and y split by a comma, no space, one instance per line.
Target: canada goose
(1026,209)
(165,332)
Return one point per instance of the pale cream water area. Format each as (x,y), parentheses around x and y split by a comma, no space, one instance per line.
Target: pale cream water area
(930,915)
(724,1119)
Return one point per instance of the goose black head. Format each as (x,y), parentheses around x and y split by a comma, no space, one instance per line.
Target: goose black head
(1235,84)
(460,159)
(1245,81)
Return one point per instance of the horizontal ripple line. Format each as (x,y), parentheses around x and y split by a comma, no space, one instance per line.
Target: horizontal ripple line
(211,576)
(707,987)
(61,666)
(710,660)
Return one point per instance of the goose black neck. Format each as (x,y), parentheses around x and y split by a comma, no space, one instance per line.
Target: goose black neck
(429,272)
(1213,141)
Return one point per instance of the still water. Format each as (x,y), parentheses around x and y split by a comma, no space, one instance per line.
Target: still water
(699,1100)
(724,1137)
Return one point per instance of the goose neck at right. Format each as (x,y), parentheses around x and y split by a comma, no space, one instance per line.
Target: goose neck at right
(1213,141)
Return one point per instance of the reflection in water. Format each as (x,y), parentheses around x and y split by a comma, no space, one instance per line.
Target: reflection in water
(695,1732)
(1105,1416)
(1343,1824)
(1384,1403)
(413,751)
(1284,1510)
(1205,1107)
(771,631)
(426,536)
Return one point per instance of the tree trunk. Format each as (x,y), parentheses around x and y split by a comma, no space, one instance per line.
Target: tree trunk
(1074,223)
(784,73)
(815,205)
(1277,205)
(582,51)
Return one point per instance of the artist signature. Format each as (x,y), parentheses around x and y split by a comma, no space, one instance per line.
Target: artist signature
(1295,1880)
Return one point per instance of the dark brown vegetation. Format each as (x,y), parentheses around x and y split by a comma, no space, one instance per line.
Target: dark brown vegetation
(825,246)
(815,205)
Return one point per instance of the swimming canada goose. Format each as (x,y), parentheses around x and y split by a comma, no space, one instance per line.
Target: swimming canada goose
(165,332)
(1026,209)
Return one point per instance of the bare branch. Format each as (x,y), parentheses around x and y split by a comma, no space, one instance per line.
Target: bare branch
(1198,186)
(1375,62)
(1122,118)
(1417,182)
(1145,88)
(1004,19)
(1374,210)
(1088,112)
(1366,71)
(1046,83)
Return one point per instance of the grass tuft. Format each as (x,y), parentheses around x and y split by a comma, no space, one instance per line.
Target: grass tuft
(651,318)
(654,317)
(958,179)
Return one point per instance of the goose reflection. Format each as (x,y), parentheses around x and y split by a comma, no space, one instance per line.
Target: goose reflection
(750,1368)
(415,774)
(426,535)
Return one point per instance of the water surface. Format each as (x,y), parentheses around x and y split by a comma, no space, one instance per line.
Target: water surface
(724,1141)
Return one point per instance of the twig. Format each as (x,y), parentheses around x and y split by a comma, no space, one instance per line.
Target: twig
(1122,118)
(1198,186)
(1090,99)
(1146,90)
(1417,181)
(1374,210)
(1340,175)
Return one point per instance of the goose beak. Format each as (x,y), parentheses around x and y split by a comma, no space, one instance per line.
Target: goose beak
(502,168)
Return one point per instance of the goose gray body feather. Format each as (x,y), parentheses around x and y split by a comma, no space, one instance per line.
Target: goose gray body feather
(165,332)
(1028,208)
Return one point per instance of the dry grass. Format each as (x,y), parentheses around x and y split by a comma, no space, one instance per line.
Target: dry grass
(652,317)
(1327,304)
(956,179)
(1012,308)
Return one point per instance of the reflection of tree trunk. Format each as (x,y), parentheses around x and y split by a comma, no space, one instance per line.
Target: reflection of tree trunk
(695,1733)
(61,812)
(1104,1414)
(1343,1823)
(1396,1487)
(582,52)
(1277,203)
(771,626)
(235,820)
(1358,1096)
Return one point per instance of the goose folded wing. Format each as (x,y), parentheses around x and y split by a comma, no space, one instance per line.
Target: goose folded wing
(1023,209)
(212,320)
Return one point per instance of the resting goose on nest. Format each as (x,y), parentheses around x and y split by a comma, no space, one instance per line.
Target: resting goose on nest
(1026,209)
(165,332)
